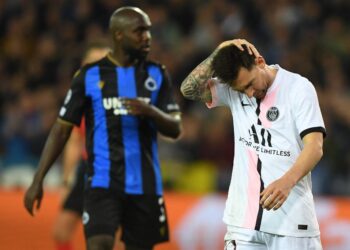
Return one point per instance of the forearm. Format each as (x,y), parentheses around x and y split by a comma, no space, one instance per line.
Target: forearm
(72,155)
(195,87)
(167,124)
(55,142)
(307,160)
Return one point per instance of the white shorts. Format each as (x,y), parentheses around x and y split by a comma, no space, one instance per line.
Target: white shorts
(246,239)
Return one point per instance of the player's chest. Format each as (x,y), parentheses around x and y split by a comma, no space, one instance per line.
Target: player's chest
(274,116)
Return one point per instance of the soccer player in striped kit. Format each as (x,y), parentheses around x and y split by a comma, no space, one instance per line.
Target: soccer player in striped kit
(126,100)
(279,134)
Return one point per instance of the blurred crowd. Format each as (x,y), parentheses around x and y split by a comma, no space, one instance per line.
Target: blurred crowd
(41,44)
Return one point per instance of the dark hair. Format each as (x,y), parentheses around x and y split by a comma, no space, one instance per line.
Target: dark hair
(228,61)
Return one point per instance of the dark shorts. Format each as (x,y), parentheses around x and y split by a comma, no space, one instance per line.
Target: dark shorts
(74,200)
(142,217)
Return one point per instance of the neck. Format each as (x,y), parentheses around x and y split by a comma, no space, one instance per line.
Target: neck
(270,74)
(121,59)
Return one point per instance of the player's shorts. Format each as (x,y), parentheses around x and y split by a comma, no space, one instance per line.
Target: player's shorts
(142,217)
(74,200)
(247,239)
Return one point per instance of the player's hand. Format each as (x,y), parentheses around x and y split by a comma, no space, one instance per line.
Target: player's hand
(238,43)
(33,194)
(137,107)
(275,194)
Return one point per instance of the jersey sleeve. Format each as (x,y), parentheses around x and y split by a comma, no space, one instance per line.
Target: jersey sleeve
(73,106)
(219,93)
(166,99)
(307,111)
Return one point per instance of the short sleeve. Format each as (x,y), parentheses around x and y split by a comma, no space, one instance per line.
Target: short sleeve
(219,93)
(307,110)
(73,106)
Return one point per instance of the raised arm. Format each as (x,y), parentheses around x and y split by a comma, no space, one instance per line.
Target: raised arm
(195,86)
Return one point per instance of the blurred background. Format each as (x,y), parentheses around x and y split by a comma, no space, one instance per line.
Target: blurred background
(41,44)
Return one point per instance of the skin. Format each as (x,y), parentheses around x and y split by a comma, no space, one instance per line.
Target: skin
(275,194)
(255,83)
(55,142)
(130,32)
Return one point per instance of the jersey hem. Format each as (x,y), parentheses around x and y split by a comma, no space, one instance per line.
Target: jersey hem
(310,233)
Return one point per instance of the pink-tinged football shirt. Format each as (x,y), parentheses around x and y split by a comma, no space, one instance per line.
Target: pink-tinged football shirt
(268,140)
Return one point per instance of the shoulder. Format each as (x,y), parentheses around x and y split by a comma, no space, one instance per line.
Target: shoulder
(99,63)
(299,90)
(290,76)
(222,86)
(155,64)
(296,83)
(90,66)
(221,93)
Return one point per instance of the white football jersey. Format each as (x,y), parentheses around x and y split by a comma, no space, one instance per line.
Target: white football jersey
(268,140)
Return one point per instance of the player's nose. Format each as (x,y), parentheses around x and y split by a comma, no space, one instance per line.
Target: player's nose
(146,35)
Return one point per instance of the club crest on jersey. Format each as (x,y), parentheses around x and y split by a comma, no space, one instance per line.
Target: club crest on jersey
(150,84)
(272,114)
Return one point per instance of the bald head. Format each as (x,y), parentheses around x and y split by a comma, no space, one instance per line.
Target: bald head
(131,35)
(123,17)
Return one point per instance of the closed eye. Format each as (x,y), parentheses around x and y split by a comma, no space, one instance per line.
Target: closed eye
(248,85)
(245,87)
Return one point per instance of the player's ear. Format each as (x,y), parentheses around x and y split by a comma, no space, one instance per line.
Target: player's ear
(260,61)
(118,35)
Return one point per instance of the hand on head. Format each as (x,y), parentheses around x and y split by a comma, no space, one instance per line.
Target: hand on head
(239,44)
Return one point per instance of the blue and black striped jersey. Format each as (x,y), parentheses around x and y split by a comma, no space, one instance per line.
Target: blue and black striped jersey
(122,149)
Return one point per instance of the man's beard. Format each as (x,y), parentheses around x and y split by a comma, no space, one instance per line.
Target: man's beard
(137,54)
